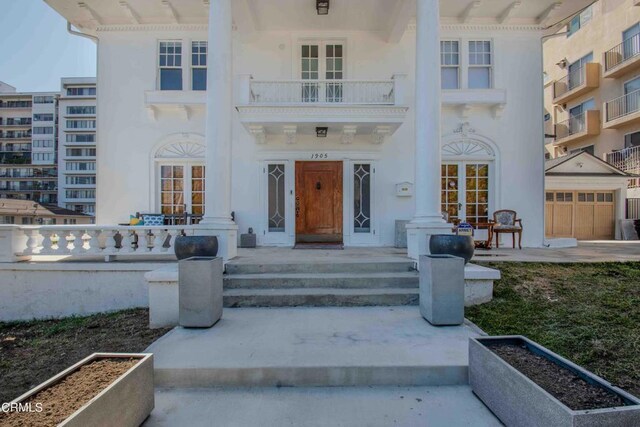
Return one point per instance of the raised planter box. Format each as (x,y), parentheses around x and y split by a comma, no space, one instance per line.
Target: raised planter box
(518,401)
(127,401)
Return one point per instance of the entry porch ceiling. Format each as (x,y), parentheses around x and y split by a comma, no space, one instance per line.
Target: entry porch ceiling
(390,17)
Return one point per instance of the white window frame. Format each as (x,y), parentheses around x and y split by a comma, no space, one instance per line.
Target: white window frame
(174,67)
(277,238)
(192,45)
(462,187)
(457,67)
(371,238)
(489,66)
(322,43)
(186,164)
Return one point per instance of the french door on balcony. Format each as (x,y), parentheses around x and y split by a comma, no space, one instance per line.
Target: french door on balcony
(181,189)
(577,71)
(631,42)
(322,61)
(465,191)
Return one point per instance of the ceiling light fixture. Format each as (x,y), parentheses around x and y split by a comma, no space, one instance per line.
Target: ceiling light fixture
(322,6)
(321,132)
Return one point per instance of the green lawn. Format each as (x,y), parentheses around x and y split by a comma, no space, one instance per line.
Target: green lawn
(588,313)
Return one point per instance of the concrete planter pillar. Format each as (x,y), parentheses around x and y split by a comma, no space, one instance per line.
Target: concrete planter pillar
(442,289)
(200,291)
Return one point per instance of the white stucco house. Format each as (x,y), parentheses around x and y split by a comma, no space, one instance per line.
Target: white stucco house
(320,127)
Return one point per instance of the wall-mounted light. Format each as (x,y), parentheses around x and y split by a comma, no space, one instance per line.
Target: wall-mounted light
(563,63)
(322,6)
(321,132)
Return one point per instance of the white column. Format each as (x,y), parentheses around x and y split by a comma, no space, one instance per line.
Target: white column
(217,217)
(428,218)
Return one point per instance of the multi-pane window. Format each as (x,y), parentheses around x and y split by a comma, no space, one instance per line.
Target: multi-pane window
(310,71)
(43,99)
(80,166)
(450,191)
(450,64)
(465,191)
(87,109)
(81,194)
(579,21)
(334,71)
(80,152)
(81,137)
(39,130)
(42,157)
(182,189)
(480,64)
(81,91)
(199,65)
(42,143)
(81,124)
(80,180)
(477,192)
(170,64)
(43,117)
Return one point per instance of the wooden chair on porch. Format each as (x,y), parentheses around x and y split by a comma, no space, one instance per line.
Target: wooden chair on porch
(506,221)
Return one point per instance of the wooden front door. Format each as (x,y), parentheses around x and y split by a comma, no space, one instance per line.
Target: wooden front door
(318,202)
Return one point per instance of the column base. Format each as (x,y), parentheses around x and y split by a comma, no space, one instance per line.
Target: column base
(419,233)
(227,234)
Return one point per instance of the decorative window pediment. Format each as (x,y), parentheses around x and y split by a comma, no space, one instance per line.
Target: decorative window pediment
(181,150)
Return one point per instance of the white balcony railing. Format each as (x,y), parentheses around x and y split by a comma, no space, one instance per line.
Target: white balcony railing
(327,92)
(623,106)
(627,160)
(92,240)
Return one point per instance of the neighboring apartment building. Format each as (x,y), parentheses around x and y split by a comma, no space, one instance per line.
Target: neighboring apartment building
(320,127)
(77,145)
(28,140)
(592,104)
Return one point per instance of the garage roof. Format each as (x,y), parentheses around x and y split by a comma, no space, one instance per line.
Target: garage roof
(582,164)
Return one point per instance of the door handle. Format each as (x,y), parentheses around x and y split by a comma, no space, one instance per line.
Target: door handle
(318,185)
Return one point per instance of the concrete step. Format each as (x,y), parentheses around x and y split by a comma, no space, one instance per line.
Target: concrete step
(321,267)
(320,407)
(320,297)
(314,347)
(322,280)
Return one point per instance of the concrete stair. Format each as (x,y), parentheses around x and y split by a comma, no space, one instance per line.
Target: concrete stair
(348,284)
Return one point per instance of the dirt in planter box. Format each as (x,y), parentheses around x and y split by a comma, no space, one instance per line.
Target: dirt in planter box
(64,398)
(561,383)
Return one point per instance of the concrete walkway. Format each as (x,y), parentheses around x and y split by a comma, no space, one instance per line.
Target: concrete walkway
(373,366)
(321,407)
(314,347)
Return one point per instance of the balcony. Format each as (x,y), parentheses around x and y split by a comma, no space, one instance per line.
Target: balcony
(578,128)
(15,123)
(623,58)
(577,83)
(349,108)
(16,105)
(622,111)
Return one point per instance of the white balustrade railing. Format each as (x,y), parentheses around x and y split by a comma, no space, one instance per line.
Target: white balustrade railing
(91,240)
(329,92)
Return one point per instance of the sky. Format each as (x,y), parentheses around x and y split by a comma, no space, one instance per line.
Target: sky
(37,50)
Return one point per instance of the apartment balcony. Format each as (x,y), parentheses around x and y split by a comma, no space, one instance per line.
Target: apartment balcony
(15,125)
(627,160)
(577,83)
(622,59)
(373,109)
(26,105)
(578,128)
(622,111)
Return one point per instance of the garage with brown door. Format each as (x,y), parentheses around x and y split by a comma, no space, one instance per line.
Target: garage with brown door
(584,215)
(585,198)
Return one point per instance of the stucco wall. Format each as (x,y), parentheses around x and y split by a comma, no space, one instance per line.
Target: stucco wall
(127,134)
(51,290)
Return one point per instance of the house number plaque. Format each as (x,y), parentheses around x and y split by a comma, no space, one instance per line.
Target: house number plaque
(316,156)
